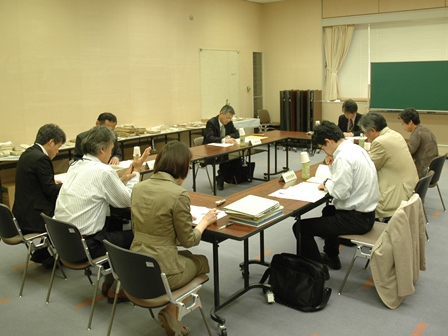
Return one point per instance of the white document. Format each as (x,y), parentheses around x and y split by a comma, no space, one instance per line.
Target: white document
(60,177)
(304,191)
(199,212)
(220,144)
(322,173)
(252,206)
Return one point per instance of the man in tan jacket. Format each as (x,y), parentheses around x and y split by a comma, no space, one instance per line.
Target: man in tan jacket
(397,175)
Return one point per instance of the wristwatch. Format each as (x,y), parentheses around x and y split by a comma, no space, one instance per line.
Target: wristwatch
(325,181)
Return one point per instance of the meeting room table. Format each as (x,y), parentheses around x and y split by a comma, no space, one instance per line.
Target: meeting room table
(219,232)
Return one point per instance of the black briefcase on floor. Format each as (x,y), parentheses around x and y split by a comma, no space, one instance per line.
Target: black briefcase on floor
(298,282)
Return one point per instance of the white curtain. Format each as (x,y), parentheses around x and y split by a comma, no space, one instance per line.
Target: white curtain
(336,43)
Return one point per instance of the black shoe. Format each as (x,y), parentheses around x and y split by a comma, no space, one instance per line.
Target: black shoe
(333,263)
(48,263)
(327,274)
(39,256)
(219,182)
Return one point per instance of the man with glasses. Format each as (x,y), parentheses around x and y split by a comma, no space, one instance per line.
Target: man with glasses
(354,188)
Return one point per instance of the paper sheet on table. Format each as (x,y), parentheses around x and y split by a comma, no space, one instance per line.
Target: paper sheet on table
(248,137)
(322,173)
(60,177)
(220,144)
(199,212)
(303,191)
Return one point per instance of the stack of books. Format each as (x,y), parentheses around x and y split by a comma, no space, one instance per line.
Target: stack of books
(253,210)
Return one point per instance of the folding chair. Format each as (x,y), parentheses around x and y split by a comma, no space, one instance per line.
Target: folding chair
(72,251)
(146,286)
(436,165)
(11,234)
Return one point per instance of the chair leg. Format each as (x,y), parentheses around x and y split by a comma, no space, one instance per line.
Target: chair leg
(25,271)
(205,321)
(95,291)
(209,180)
(152,313)
(440,195)
(348,272)
(114,306)
(56,258)
(427,235)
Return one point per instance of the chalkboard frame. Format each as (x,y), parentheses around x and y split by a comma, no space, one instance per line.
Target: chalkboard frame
(422,85)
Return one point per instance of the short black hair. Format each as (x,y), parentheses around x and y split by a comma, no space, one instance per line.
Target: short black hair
(50,132)
(349,106)
(409,114)
(372,120)
(106,116)
(326,130)
(227,109)
(97,137)
(174,159)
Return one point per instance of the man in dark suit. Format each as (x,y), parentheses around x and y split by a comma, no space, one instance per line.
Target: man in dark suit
(104,119)
(220,129)
(36,189)
(348,122)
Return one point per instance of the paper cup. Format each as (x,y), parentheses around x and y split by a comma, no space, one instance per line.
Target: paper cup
(137,151)
(367,146)
(305,157)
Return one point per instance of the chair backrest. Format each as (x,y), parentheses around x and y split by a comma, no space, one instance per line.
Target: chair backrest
(139,273)
(8,224)
(264,117)
(67,240)
(436,165)
(198,141)
(423,184)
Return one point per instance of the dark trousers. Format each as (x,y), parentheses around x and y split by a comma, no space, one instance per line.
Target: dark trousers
(332,224)
(117,237)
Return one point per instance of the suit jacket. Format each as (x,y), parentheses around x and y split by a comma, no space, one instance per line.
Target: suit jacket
(161,220)
(423,147)
(397,175)
(343,124)
(78,153)
(36,190)
(399,254)
(213,131)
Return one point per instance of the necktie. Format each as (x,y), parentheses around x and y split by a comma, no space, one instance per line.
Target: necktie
(223,131)
(350,125)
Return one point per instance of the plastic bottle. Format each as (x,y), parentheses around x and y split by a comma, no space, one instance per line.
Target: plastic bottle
(305,165)
(362,139)
(242,137)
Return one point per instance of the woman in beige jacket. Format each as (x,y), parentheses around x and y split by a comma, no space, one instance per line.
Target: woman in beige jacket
(162,220)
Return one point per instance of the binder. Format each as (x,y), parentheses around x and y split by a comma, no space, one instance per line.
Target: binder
(252,208)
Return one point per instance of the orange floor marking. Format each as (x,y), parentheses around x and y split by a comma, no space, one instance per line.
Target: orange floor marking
(21,266)
(418,331)
(89,302)
(368,284)
(436,214)
(265,253)
(4,300)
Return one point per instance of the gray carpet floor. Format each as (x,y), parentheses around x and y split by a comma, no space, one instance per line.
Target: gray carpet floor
(358,311)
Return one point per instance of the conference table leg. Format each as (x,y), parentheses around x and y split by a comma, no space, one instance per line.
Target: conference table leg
(218,305)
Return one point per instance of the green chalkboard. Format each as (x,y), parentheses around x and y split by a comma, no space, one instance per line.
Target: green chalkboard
(421,85)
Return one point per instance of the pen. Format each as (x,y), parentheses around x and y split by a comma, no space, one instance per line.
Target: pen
(224,226)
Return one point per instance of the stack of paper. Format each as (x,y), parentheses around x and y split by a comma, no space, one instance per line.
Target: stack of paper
(253,210)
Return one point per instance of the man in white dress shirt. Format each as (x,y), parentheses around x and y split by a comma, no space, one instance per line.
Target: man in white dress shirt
(91,185)
(354,188)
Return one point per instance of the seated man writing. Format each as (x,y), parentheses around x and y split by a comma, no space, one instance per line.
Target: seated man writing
(91,185)
(354,188)
(221,129)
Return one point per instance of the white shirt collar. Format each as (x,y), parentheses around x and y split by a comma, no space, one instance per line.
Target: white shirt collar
(43,149)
